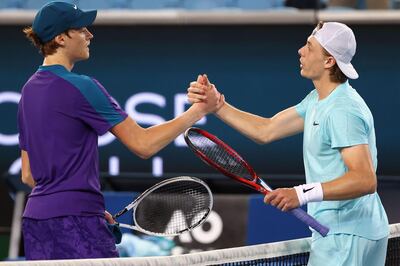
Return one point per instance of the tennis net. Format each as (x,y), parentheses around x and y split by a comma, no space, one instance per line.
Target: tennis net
(292,252)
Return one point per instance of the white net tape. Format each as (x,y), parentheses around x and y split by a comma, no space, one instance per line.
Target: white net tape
(246,253)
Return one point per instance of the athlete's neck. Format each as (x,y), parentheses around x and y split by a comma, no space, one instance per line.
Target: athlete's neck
(58,60)
(325,87)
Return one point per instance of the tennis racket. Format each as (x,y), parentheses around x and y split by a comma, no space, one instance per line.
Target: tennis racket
(222,157)
(170,207)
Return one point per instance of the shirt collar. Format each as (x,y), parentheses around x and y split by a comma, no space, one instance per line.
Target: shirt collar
(52,68)
(337,91)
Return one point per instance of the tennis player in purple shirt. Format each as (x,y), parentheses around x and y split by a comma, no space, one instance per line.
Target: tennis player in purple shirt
(60,116)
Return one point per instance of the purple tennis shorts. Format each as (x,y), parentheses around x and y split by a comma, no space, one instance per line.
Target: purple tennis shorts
(68,237)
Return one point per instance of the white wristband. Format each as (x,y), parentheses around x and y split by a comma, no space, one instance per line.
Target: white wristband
(309,193)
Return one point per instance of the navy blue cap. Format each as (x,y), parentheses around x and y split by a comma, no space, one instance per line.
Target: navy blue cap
(56,17)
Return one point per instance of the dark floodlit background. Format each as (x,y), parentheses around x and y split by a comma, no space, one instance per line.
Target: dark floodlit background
(146,53)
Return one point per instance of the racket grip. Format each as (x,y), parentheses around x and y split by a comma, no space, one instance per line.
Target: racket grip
(310,221)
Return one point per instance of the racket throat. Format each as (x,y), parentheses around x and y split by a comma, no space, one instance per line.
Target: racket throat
(262,186)
(120,213)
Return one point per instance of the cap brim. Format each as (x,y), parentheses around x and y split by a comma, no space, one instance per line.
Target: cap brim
(86,19)
(348,70)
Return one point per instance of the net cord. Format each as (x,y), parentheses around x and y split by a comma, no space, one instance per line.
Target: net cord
(213,257)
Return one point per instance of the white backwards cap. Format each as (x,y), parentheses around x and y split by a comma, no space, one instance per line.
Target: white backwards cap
(339,40)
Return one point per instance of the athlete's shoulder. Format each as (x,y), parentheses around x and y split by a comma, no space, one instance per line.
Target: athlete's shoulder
(312,94)
(351,101)
(85,84)
(78,80)
(311,98)
(353,110)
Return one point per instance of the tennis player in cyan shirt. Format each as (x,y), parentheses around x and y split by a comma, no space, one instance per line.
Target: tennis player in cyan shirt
(339,150)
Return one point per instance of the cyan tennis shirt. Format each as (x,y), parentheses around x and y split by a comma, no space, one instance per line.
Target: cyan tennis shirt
(60,116)
(341,120)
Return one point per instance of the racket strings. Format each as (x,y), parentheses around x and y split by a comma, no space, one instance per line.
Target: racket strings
(220,155)
(173,208)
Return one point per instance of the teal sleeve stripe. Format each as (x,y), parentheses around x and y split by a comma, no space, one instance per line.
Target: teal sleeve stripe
(93,95)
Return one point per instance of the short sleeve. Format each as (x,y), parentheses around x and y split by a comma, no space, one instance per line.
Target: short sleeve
(97,108)
(346,128)
(301,107)
(21,127)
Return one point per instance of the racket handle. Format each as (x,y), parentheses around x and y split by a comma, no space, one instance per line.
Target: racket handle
(310,221)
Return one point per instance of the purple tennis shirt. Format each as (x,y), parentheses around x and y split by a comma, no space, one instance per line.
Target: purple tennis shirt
(60,116)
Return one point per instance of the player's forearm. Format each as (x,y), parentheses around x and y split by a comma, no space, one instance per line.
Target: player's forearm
(250,125)
(26,173)
(28,180)
(351,185)
(159,136)
(262,130)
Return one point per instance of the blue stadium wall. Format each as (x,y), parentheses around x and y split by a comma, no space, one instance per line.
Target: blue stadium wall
(148,69)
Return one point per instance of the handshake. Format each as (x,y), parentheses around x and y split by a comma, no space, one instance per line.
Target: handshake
(205,96)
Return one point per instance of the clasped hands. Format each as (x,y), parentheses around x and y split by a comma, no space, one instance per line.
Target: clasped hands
(204,93)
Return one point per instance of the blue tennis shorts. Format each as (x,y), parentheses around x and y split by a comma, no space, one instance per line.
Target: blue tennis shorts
(69,237)
(347,250)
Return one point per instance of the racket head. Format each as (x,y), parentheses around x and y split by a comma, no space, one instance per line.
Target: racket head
(219,155)
(173,206)
(216,153)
